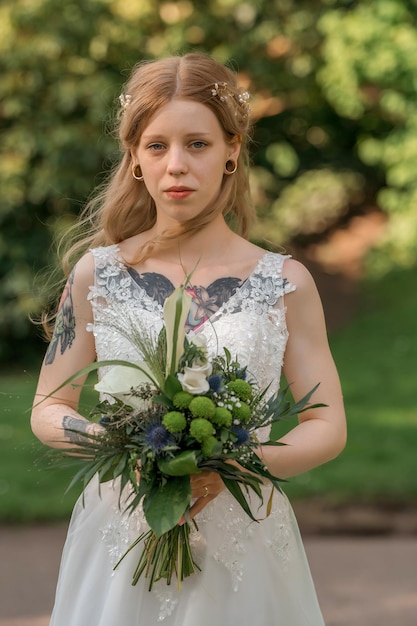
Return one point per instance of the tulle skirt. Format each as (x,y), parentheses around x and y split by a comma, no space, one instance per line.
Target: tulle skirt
(251,573)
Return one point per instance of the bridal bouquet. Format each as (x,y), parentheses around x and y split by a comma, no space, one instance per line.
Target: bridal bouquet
(172,415)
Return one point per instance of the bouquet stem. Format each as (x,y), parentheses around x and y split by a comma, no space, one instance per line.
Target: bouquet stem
(164,556)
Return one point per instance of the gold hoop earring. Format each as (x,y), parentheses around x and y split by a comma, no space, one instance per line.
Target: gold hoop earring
(230,167)
(135,175)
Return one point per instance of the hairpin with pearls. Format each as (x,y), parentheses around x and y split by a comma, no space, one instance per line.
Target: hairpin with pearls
(223,93)
(125,100)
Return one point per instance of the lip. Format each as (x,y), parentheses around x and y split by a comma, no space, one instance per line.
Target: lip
(178,191)
(179,188)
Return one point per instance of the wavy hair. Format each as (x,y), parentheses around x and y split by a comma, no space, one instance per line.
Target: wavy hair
(122,207)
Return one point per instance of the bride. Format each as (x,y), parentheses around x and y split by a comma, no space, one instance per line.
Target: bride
(178,200)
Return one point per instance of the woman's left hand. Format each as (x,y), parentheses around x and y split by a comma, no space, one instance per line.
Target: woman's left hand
(204,488)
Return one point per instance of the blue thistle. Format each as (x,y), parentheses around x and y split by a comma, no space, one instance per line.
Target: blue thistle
(242,435)
(157,437)
(240,373)
(216,382)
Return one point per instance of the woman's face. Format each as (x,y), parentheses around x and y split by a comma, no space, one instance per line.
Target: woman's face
(182,154)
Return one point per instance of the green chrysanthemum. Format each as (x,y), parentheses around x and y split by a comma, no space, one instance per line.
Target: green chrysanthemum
(241,388)
(222,417)
(182,399)
(211,446)
(174,421)
(241,411)
(201,429)
(201,406)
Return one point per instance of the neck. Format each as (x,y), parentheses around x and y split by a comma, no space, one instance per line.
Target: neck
(207,245)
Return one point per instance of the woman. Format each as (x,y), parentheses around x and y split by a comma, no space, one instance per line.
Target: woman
(183,132)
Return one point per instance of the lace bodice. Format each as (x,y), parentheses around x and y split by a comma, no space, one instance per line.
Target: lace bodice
(251,323)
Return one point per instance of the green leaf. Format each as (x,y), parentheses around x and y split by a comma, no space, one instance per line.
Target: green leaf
(228,355)
(162,399)
(164,505)
(172,386)
(256,466)
(236,491)
(121,465)
(105,474)
(224,435)
(182,464)
(303,404)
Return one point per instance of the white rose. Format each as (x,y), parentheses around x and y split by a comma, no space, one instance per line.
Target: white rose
(122,380)
(198,340)
(194,379)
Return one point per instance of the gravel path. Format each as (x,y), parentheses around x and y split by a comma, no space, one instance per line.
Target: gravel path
(360,581)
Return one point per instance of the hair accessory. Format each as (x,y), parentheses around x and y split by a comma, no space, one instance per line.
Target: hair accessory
(241,98)
(125,100)
(220,91)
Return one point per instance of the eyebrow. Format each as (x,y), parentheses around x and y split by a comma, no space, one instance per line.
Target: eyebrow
(187,136)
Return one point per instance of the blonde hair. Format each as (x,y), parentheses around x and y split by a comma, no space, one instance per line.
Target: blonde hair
(122,207)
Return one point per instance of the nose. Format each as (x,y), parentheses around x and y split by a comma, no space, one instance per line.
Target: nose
(177,162)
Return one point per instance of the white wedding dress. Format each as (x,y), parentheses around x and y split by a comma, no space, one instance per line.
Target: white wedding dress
(251,573)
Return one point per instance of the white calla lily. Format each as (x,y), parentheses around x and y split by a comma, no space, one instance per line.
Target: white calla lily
(122,381)
(176,309)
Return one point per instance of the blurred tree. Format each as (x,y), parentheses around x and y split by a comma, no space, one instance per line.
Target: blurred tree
(334,105)
(368,75)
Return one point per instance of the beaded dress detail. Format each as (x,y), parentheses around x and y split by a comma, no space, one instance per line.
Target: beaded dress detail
(250,572)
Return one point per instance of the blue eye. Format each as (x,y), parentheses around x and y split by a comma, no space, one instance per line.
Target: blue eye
(199,144)
(157,147)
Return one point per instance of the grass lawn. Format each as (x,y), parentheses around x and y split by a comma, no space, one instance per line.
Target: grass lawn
(376,356)
(33,479)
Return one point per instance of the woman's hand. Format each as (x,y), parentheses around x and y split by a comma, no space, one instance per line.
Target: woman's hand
(204,488)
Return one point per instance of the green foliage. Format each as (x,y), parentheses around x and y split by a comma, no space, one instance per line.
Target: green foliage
(334,100)
(368,75)
(313,203)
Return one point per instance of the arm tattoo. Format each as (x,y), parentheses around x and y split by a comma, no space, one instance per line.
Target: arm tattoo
(64,332)
(74,428)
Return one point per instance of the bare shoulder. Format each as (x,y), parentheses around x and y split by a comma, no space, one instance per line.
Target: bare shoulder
(298,275)
(82,274)
(304,306)
(78,285)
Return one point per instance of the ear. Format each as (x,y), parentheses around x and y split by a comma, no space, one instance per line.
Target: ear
(234,148)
